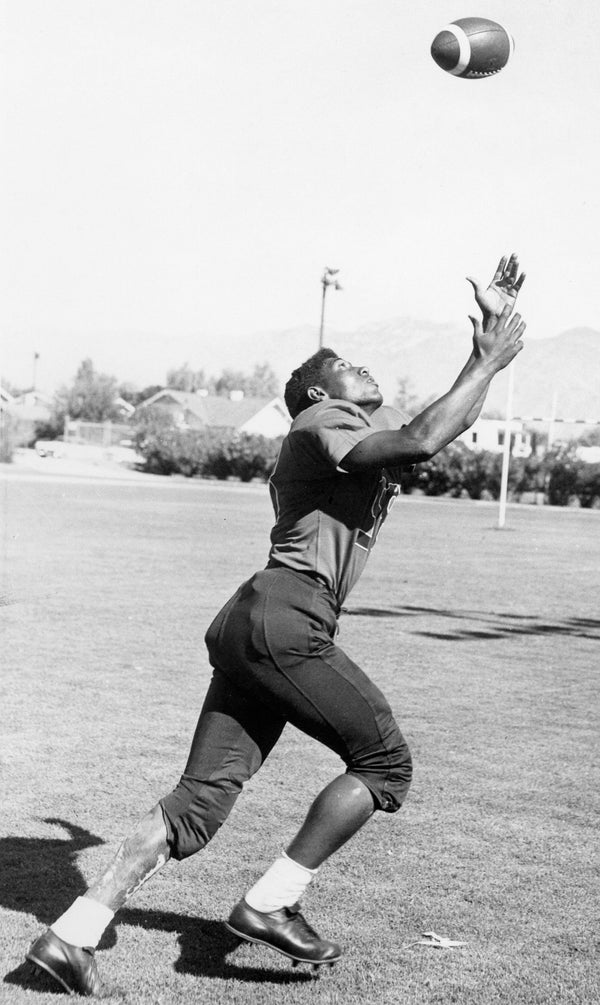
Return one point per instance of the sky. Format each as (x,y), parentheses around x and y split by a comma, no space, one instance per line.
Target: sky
(178,173)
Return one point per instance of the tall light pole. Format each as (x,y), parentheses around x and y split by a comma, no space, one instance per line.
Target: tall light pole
(506,446)
(327,280)
(36,356)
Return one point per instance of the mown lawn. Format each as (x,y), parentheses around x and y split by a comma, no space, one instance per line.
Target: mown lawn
(485,641)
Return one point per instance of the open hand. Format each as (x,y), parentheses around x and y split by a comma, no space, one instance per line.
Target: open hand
(500,340)
(503,289)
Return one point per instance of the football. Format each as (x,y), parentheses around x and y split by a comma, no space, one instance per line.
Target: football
(472,47)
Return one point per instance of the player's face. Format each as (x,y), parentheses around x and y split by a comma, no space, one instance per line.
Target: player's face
(352,383)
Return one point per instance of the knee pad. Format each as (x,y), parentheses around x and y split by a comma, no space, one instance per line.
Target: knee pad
(386,770)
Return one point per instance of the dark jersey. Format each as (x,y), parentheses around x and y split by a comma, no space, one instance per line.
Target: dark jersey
(327,519)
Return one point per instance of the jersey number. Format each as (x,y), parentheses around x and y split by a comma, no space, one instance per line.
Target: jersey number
(385,497)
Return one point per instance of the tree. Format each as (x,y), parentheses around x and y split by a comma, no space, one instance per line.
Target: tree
(91,397)
(230,380)
(407,400)
(129,393)
(183,378)
(591,438)
(261,383)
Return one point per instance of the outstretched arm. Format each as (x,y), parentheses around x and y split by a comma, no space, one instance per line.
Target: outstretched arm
(502,292)
(453,413)
(477,405)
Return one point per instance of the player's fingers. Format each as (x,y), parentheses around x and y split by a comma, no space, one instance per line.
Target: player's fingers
(519,282)
(475,284)
(500,270)
(476,325)
(513,325)
(517,331)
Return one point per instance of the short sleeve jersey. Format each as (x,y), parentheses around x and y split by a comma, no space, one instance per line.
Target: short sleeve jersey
(327,519)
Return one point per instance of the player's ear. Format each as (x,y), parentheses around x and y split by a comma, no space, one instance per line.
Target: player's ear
(316,393)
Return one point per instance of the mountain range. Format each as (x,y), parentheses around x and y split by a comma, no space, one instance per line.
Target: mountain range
(558,375)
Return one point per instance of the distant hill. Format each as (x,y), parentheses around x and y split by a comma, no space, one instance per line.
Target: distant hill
(431,355)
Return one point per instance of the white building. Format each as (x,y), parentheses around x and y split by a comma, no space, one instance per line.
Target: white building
(196,410)
(488,434)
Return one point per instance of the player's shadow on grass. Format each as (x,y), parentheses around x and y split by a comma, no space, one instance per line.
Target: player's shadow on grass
(41,877)
(205,944)
(489,625)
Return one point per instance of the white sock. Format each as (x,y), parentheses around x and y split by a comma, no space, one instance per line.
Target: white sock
(281,886)
(83,923)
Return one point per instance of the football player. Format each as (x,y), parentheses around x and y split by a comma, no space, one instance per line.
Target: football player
(275,657)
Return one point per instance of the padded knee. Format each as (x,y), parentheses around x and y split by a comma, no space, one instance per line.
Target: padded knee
(195,810)
(386,770)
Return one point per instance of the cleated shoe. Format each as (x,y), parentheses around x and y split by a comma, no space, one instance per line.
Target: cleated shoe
(72,967)
(285,930)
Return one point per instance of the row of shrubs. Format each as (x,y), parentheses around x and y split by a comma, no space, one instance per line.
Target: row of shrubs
(209,454)
(13,433)
(557,478)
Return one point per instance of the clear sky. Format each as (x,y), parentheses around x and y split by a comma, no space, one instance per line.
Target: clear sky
(177,173)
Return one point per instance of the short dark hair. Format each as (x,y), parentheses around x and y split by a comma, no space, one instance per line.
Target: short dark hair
(307,375)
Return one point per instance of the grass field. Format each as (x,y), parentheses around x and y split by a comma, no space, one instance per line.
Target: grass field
(485,641)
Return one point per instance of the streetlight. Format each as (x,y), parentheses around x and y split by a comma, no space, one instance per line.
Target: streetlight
(327,279)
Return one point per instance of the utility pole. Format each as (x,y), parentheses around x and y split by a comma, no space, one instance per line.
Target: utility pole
(36,356)
(327,280)
(552,419)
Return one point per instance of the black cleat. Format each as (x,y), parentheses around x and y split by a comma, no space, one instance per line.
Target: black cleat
(285,930)
(73,968)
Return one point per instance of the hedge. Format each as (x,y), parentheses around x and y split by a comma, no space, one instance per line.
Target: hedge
(205,453)
(559,477)
(8,435)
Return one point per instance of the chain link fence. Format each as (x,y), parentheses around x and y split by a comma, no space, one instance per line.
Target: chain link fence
(98,434)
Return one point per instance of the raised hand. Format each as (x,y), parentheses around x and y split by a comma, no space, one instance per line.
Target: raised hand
(500,340)
(503,289)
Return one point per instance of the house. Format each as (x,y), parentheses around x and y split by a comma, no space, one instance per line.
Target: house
(124,408)
(26,411)
(32,406)
(198,410)
(488,434)
(591,455)
(527,432)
